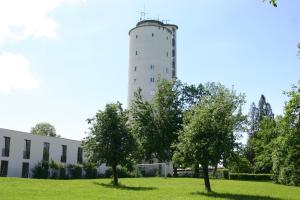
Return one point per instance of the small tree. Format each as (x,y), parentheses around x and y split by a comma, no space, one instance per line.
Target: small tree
(45,129)
(208,132)
(109,140)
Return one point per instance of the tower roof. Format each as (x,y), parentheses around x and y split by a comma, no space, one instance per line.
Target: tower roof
(152,22)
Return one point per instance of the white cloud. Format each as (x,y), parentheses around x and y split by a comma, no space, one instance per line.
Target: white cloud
(15,73)
(20,19)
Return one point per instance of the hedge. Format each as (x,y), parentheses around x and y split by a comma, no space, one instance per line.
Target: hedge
(246,176)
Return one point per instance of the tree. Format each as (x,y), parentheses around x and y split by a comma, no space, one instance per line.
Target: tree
(157,123)
(109,140)
(286,154)
(45,129)
(273,2)
(208,129)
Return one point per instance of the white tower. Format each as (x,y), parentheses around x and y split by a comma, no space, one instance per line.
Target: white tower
(152,53)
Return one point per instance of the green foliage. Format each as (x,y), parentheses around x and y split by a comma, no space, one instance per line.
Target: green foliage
(109,140)
(45,129)
(90,170)
(240,164)
(246,176)
(286,154)
(123,172)
(208,133)
(156,124)
(273,2)
(41,170)
(75,171)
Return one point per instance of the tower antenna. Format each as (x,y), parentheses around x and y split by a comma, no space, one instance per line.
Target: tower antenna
(143,14)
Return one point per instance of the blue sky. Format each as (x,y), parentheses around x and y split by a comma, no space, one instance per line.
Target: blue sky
(62,60)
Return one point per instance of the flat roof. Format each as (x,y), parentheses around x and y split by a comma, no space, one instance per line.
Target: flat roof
(141,23)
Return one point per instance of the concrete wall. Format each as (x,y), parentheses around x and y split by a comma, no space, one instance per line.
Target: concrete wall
(17,146)
(150,44)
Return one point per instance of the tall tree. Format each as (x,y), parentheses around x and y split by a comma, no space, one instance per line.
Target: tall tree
(45,129)
(157,123)
(208,132)
(109,140)
(286,152)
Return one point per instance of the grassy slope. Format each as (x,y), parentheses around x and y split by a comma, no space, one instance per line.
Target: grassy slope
(142,188)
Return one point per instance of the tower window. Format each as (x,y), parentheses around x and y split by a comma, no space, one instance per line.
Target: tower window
(152,34)
(167,38)
(136,36)
(152,80)
(136,53)
(152,67)
(173,53)
(135,68)
(167,53)
(173,42)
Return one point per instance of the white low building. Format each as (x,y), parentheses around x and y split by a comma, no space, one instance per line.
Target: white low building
(21,151)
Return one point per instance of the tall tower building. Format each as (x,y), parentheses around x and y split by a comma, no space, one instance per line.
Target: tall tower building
(152,53)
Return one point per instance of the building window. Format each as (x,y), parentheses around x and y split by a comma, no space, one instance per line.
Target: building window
(152,80)
(152,67)
(173,42)
(26,152)
(136,53)
(46,151)
(167,38)
(167,53)
(135,68)
(79,155)
(173,64)
(25,170)
(136,36)
(5,150)
(152,34)
(173,53)
(63,157)
(173,74)
(3,168)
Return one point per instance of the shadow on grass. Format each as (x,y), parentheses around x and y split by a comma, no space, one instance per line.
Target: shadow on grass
(235,196)
(124,187)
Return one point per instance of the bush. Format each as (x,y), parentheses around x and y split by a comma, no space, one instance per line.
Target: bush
(75,171)
(123,172)
(41,170)
(90,170)
(245,176)
(225,173)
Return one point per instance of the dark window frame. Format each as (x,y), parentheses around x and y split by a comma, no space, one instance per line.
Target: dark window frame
(6,149)
(4,168)
(46,151)
(63,157)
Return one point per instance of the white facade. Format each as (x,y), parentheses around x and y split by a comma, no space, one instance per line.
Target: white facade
(152,54)
(14,152)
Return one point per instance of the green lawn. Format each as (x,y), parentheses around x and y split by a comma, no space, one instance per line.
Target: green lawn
(142,188)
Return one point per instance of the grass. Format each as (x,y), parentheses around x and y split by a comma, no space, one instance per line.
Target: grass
(142,188)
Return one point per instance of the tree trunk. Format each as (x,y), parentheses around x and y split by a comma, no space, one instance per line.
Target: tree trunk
(175,171)
(206,178)
(196,171)
(215,170)
(115,175)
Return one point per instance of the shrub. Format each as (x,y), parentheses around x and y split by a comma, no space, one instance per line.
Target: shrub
(75,171)
(225,173)
(245,176)
(90,170)
(41,170)
(123,172)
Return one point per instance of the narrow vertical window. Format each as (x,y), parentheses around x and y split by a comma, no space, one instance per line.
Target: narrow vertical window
(136,53)
(173,53)
(79,155)
(136,36)
(5,150)
(135,68)
(152,67)
(3,168)
(152,34)
(173,42)
(167,38)
(152,80)
(64,154)
(46,151)
(25,170)
(167,53)
(26,153)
